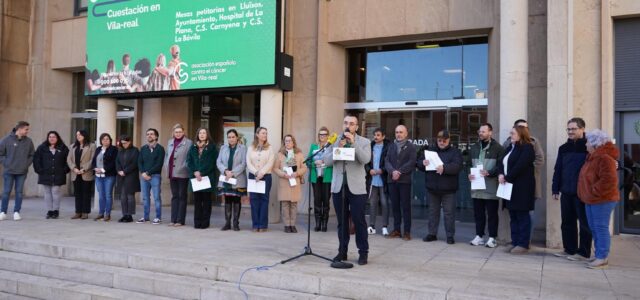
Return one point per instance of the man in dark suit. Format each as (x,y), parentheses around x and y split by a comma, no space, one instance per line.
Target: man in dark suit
(400,165)
(355,200)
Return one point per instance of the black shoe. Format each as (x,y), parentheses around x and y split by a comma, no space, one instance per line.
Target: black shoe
(226,227)
(342,256)
(49,214)
(56,214)
(294,229)
(129,219)
(450,241)
(287,229)
(123,219)
(429,238)
(362,260)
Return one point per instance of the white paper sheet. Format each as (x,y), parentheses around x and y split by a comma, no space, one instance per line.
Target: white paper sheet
(203,184)
(231,180)
(504,190)
(258,187)
(434,160)
(478,182)
(344,154)
(289,171)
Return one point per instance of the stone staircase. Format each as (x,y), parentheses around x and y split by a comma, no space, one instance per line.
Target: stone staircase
(33,270)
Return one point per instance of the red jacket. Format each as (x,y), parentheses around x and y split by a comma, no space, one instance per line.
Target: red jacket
(598,181)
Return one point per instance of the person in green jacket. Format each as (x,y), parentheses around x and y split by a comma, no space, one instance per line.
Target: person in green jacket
(201,162)
(321,181)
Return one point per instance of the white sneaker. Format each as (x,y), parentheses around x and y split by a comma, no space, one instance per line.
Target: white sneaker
(491,243)
(16,216)
(385,232)
(561,254)
(3,216)
(371,230)
(477,241)
(156,221)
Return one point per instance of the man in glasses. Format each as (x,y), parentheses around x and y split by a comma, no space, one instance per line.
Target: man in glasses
(442,185)
(571,157)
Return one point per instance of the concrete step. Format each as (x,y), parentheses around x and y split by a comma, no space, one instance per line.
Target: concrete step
(8,296)
(48,288)
(219,276)
(127,279)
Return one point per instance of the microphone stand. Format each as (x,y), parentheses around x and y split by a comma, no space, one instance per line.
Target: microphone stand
(307,248)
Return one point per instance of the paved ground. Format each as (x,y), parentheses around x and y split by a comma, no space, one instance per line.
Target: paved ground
(393,263)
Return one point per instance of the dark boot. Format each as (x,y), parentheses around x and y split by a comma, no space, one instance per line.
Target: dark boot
(56,214)
(49,214)
(227,216)
(236,215)
(325,220)
(318,224)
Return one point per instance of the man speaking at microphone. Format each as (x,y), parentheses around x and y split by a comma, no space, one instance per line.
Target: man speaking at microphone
(352,173)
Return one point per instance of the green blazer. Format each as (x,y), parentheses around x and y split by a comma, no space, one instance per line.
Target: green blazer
(205,164)
(326,173)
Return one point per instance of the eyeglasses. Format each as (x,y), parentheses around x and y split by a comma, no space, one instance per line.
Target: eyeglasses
(323,134)
(572,129)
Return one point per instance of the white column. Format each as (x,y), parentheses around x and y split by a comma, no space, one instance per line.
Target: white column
(514,63)
(107,111)
(514,68)
(271,101)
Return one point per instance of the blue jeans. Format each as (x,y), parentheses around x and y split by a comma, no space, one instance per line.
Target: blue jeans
(9,180)
(260,204)
(153,185)
(598,216)
(105,193)
(520,228)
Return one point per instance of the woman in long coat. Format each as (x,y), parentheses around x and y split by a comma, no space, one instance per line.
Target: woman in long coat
(127,180)
(289,156)
(517,168)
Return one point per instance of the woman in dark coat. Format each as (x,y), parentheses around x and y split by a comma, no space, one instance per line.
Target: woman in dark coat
(127,179)
(516,167)
(201,162)
(50,162)
(104,166)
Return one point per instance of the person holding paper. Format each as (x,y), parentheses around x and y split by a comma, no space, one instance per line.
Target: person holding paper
(517,168)
(376,181)
(290,167)
(175,164)
(442,185)
(571,158)
(400,165)
(321,181)
(232,164)
(260,159)
(351,175)
(150,162)
(82,176)
(484,155)
(201,163)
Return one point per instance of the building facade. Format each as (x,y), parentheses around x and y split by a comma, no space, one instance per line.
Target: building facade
(428,64)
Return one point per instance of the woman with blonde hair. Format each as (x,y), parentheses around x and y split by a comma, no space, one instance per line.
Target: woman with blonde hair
(290,168)
(260,159)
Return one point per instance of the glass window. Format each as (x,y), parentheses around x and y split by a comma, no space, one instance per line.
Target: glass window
(82,103)
(80,7)
(433,70)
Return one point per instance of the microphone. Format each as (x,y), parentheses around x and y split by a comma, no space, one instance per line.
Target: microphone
(342,137)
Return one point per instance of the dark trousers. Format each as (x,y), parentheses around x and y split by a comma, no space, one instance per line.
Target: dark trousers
(260,204)
(128,204)
(401,199)
(179,199)
(201,209)
(520,228)
(448,204)
(354,206)
(572,210)
(483,208)
(321,195)
(82,191)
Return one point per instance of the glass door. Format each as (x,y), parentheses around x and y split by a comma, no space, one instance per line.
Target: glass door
(629,144)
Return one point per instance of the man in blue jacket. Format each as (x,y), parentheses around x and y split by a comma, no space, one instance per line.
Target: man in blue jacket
(16,155)
(571,157)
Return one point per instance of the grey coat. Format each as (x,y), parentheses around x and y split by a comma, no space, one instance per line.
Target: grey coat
(180,169)
(239,164)
(16,155)
(356,175)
